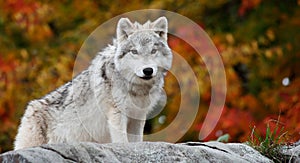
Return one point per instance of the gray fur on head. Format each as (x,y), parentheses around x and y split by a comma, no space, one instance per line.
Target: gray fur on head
(125,27)
(142,39)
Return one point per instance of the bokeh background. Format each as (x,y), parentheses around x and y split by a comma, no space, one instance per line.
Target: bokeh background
(258,41)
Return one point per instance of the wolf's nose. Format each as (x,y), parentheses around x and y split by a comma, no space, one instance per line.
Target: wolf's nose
(148,71)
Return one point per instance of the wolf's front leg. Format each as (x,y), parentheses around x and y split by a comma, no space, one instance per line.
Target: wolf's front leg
(135,130)
(117,124)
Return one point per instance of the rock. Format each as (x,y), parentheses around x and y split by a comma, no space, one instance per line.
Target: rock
(137,152)
(294,154)
(291,152)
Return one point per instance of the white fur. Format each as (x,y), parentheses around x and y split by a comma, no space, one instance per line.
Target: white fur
(110,100)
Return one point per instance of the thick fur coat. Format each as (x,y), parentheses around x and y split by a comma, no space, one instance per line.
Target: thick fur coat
(110,100)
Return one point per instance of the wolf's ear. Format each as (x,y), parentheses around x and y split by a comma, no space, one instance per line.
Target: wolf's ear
(124,29)
(160,27)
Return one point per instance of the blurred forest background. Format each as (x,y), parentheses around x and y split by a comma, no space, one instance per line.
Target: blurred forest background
(258,41)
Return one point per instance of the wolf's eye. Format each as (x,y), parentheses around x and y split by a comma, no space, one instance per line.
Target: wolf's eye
(153,51)
(134,51)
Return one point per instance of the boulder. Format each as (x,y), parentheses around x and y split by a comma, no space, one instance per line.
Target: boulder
(137,152)
(291,152)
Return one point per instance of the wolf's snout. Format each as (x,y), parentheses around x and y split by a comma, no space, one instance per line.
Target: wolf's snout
(148,71)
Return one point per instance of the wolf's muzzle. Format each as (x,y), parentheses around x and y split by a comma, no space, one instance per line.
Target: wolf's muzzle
(147,73)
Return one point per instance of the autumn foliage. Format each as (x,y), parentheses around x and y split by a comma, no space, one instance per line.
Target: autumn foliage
(258,41)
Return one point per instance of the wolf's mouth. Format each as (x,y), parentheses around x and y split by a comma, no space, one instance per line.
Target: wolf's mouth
(146,77)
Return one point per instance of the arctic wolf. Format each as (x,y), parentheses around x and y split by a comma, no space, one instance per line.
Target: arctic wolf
(110,100)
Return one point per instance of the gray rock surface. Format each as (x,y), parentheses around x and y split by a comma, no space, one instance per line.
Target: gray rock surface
(137,152)
(292,152)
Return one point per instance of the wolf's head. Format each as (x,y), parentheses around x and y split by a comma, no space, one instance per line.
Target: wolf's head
(143,54)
